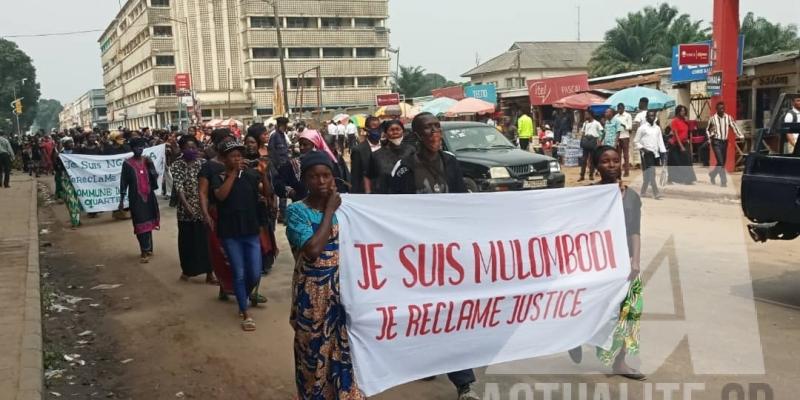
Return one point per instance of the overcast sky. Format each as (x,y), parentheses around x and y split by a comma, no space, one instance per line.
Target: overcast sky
(443,36)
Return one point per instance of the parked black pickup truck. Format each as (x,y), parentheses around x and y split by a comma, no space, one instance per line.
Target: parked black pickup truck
(491,163)
(771,180)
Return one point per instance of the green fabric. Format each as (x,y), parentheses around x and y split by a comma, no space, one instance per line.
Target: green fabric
(626,333)
(525,127)
(71,200)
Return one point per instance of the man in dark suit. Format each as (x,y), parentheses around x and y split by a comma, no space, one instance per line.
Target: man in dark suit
(362,154)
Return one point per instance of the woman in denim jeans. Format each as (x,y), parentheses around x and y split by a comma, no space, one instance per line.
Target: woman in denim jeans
(237,190)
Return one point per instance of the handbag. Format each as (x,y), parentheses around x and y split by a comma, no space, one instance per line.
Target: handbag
(589,142)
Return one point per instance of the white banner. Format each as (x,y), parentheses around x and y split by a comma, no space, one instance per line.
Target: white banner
(439,283)
(96,178)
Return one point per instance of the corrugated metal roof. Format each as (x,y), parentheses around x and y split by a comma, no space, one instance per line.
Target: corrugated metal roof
(539,55)
(772,58)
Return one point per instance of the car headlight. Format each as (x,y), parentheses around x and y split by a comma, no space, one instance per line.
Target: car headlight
(554,166)
(499,173)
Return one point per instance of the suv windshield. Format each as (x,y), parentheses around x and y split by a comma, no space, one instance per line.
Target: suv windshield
(475,138)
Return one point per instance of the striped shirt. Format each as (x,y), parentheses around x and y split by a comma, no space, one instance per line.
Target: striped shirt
(718,127)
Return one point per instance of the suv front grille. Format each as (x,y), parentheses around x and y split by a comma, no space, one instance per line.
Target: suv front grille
(522,170)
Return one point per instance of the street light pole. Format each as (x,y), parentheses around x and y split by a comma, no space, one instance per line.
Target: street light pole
(185,23)
(281,55)
(16,116)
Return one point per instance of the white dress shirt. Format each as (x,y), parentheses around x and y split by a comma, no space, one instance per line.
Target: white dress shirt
(341,129)
(792,117)
(351,129)
(332,129)
(650,138)
(626,120)
(592,128)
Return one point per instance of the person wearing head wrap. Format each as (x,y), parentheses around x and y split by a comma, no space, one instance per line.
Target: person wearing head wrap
(320,334)
(311,140)
(138,182)
(382,162)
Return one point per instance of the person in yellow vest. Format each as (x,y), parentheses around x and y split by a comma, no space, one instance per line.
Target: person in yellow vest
(525,129)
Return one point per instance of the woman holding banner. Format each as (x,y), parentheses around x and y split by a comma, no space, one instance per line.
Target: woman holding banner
(323,365)
(140,176)
(626,334)
(68,193)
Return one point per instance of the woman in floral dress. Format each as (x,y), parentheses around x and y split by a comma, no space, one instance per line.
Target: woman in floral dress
(323,365)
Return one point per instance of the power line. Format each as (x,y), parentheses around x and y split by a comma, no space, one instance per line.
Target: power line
(51,34)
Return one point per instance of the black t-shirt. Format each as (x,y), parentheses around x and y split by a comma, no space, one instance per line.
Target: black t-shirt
(632,206)
(382,163)
(209,170)
(238,214)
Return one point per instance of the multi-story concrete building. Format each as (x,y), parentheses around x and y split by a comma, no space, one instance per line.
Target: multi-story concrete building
(88,111)
(230,49)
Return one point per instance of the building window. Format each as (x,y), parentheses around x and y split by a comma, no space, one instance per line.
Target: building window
(368,81)
(265,83)
(262,22)
(335,23)
(367,22)
(159,3)
(299,22)
(367,52)
(206,113)
(303,53)
(307,82)
(263,111)
(337,52)
(165,61)
(265,52)
(339,82)
(162,31)
(166,90)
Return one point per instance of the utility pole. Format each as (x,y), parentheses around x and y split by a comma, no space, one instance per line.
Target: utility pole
(281,55)
(579,23)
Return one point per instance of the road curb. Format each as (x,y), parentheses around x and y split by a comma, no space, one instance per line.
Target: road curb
(31,379)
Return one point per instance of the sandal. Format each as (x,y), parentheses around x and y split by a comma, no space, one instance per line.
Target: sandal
(184,278)
(144,260)
(212,282)
(248,325)
(756,234)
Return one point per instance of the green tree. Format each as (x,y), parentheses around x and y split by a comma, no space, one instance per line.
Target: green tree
(16,72)
(644,40)
(413,81)
(762,37)
(47,114)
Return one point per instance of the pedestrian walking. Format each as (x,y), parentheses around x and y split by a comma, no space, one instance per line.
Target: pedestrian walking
(626,122)
(679,160)
(322,359)
(625,339)
(278,148)
(266,205)
(192,231)
(428,171)
(525,130)
(363,152)
(237,193)
(649,141)
(6,158)
(379,176)
(310,140)
(719,127)
(592,131)
(611,129)
(68,193)
(138,183)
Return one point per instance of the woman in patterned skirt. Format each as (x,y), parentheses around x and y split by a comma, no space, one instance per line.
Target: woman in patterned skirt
(323,365)
(626,333)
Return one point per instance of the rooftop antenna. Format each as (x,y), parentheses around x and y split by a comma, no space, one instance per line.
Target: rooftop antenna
(579,22)
(477,59)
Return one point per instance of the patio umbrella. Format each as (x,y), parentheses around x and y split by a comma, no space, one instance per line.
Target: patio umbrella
(470,105)
(439,105)
(214,123)
(341,118)
(360,120)
(579,101)
(630,97)
(403,110)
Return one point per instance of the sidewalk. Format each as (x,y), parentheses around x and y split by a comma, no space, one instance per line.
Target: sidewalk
(20,303)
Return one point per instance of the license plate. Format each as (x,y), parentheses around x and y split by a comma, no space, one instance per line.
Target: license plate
(534,183)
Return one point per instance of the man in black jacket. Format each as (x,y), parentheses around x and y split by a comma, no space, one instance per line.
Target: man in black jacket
(431,170)
(362,154)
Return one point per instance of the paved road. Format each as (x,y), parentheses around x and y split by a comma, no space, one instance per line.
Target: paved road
(719,310)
